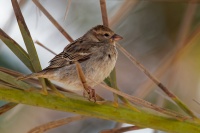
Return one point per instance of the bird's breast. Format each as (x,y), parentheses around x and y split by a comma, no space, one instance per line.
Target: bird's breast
(101,64)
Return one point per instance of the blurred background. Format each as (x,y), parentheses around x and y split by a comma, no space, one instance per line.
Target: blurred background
(164,35)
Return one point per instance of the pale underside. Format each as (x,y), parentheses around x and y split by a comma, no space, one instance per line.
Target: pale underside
(96,68)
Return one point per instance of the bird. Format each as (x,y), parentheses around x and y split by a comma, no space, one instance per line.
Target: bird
(95,51)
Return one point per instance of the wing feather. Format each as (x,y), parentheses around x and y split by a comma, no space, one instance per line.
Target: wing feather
(75,51)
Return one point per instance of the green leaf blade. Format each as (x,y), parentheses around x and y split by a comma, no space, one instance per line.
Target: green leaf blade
(12,80)
(16,49)
(76,104)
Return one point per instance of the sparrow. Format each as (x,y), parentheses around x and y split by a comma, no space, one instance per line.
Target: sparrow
(95,51)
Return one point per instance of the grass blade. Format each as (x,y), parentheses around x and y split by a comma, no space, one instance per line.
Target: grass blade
(16,49)
(12,80)
(27,37)
(28,42)
(56,123)
(122,129)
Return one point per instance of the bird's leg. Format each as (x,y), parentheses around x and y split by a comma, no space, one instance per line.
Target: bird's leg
(88,89)
(89,92)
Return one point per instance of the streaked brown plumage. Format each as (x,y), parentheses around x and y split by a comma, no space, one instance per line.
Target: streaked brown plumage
(95,51)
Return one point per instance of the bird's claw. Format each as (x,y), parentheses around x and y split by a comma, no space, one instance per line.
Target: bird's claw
(91,94)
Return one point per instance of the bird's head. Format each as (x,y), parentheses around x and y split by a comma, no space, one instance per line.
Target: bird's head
(102,33)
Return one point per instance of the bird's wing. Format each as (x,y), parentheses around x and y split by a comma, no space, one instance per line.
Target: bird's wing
(76,51)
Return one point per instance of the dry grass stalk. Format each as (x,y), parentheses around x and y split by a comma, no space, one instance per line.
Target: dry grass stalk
(56,123)
(121,130)
(67,8)
(104,12)
(39,43)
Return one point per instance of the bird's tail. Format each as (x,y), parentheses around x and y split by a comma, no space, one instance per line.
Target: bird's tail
(28,76)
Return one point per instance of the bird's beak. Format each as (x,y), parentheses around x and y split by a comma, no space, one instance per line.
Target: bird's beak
(116,37)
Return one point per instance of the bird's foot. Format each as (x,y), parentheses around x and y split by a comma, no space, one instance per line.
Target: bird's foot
(90,94)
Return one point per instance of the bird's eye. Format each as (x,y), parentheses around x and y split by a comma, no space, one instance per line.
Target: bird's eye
(106,35)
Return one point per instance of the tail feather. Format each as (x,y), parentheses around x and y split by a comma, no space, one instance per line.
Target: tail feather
(28,76)
(34,75)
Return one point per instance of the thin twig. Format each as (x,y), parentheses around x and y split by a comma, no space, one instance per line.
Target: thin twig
(55,23)
(57,123)
(67,9)
(121,130)
(39,43)
(157,82)
(104,12)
